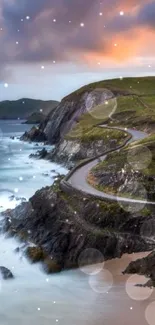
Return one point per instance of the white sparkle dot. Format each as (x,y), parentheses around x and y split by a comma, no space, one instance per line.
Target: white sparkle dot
(21,178)
(57,320)
(54,302)
(1,28)
(6,85)
(9,159)
(121,13)
(121,78)
(41,110)
(115,44)
(149,66)
(100,14)
(54,20)
(27,17)
(16,190)
(54,62)
(42,67)
(34,176)
(131,308)
(18,30)
(38,308)
(22,19)
(17,42)
(70,21)
(106,102)
(82,24)
(47,280)
(99,63)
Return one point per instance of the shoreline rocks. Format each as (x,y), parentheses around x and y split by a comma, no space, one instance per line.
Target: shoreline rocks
(6,273)
(64,225)
(144,266)
(35,134)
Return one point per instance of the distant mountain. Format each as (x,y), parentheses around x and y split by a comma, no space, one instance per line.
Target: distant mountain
(30,109)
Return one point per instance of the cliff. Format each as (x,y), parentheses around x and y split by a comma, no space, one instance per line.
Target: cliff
(127,102)
(65,225)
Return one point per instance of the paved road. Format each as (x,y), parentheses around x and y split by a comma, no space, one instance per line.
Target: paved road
(79,179)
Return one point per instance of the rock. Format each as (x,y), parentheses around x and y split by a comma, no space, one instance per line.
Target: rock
(63,225)
(12,137)
(6,273)
(35,134)
(41,154)
(144,266)
(51,266)
(35,254)
(17,250)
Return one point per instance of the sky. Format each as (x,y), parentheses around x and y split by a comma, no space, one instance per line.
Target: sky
(51,47)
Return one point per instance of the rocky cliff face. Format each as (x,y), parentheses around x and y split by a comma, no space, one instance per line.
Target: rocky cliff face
(67,113)
(65,225)
(69,152)
(144,266)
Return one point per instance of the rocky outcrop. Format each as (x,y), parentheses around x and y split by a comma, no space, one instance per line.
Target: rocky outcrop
(65,225)
(5,273)
(35,134)
(144,266)
(69,152)
(41,154)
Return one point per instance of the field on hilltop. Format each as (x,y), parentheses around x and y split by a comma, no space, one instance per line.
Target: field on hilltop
(132,105)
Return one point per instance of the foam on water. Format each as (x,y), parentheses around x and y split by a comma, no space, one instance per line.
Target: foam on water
(21,176)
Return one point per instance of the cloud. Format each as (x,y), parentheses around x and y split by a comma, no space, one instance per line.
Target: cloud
(40,39)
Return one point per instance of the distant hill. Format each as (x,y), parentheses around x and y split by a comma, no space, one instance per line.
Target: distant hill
(25,108)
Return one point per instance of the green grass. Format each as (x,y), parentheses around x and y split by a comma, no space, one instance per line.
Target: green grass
(138,86)
(134,108)
(96,133)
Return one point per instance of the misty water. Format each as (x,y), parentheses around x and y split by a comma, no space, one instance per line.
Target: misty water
(99,295)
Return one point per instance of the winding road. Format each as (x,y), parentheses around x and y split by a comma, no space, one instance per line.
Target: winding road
(78,179)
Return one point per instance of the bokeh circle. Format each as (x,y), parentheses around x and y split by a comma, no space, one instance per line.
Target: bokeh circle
(136,292)
(101,282)
(139,157)
(101,103)
(135,196)
(91,261)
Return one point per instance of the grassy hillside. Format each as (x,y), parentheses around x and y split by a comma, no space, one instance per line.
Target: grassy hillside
(133,105)
(136,86)
(24,107)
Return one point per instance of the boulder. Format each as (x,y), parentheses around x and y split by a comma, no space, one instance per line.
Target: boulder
(51,266)
(35,254)
(35,134)
(5,273)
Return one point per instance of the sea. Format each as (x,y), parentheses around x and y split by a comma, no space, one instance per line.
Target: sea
(95,295)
